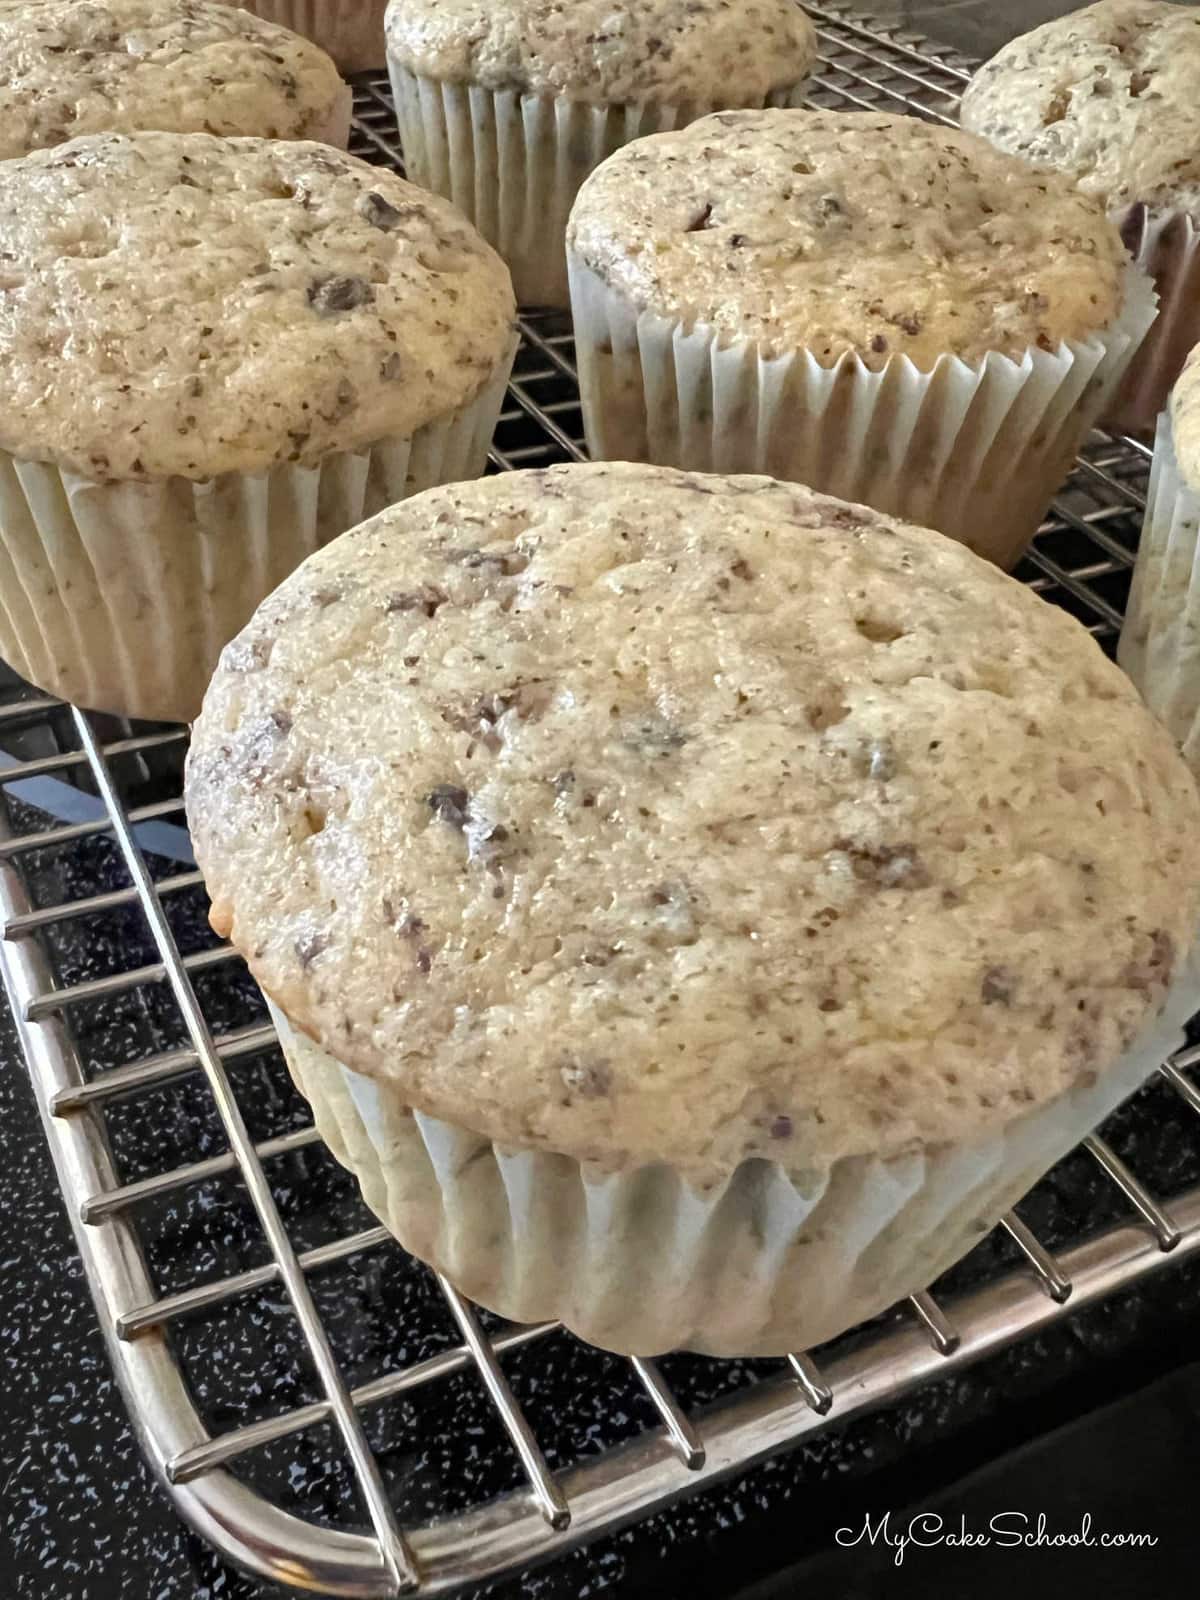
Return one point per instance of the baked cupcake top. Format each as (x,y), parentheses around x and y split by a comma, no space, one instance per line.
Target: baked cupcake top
(717,52)
(71,67)
(1109,94)
(176,303)
(839,232)
(641,815)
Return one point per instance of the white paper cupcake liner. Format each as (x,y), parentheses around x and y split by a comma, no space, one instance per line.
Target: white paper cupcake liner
(1166,245)
(643,1262)
(1160,641)
(351,31)
(514,162)
(976,450)
(121,596)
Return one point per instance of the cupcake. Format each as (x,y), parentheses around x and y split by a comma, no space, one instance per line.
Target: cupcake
(1109,96)
(1160,642)
(886,310)
(216,355)
(505,106)
(69,68)
(351,30)
(694,907)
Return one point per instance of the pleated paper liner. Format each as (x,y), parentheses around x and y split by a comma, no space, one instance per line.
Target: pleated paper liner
(514,162)
(1160,641)
(974,449)
(644,1261)
(121,596)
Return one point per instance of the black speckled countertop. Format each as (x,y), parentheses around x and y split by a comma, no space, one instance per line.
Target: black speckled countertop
(80,1514)
(83,1520)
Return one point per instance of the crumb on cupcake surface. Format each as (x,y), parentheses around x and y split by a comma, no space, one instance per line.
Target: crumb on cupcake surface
(181,304)
(719,52)
(850,232)
(1109,94)
(641,815)
(69,68)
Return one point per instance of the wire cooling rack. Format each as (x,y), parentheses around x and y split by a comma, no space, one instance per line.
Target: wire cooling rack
(321,1408)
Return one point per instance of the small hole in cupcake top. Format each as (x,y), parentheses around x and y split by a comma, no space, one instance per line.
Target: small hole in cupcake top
(897,866)
(824,714)
(992,678)
(701,220)
(450,804)
(877,630)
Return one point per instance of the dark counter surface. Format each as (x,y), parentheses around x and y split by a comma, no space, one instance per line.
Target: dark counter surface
(82,1518)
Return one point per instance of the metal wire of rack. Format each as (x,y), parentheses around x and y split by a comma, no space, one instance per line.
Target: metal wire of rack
(123,1001)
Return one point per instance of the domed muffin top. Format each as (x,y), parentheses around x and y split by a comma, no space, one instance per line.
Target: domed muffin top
(180,304)
(1109,95)
(850,231)
(642,815)
(72,67)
